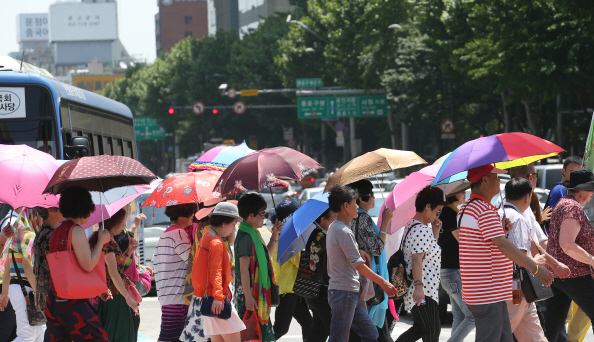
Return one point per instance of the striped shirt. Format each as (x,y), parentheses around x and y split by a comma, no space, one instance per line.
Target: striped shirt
(486,273)
(170,266)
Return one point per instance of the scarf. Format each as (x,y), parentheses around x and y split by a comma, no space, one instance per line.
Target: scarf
(261,282)
(24,235)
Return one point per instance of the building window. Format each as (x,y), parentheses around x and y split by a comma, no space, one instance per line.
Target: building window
(188,20)
(189,34)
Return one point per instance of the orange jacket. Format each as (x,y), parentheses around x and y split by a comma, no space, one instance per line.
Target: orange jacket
(218,268)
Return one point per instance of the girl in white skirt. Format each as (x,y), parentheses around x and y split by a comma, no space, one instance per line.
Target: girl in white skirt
(211,272)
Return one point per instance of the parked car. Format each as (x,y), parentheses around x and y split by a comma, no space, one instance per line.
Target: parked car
(309,193)
(278,194)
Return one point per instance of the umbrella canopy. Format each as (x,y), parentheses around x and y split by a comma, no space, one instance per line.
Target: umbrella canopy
(267,168)
(298,228)
(373,163)
(505,150)
(193,187)
(99,173)
(220,157)
(401,201)
(110,202)
(25,173)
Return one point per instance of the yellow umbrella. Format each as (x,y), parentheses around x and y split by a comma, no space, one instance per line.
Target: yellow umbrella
(371,164)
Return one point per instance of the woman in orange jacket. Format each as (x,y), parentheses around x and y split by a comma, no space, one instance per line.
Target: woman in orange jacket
(211,273)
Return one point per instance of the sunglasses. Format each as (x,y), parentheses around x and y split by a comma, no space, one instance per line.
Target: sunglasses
(533,173)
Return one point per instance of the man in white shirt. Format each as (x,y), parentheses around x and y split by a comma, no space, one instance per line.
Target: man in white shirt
(523,318)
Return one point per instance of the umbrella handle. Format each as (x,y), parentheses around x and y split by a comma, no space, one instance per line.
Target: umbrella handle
(271,195)
(381,187)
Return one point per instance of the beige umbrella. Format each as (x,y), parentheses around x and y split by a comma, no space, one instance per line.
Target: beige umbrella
(371,164)
(442,159)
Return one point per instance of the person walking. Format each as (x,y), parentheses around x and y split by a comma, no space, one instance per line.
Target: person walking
(344,264)
(18,268)
(524,320)
(371,240)
(74,319)
(450,278)
(560,190)
(423,263)
(52,218)
(291,305)
(7,315)
(571,241)
(211,274)
(116,313)
(315,258)
(253,273)
(486,258)
(169,264)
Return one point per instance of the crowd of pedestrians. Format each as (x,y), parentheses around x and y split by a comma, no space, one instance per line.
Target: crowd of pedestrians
(217,279)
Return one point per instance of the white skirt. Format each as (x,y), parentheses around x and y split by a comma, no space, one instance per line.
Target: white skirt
(217,326)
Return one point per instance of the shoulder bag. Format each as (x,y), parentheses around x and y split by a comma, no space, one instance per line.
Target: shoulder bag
(533,289)
(70,280)
(397,268)
(34,316)
(207,301)
(378,298)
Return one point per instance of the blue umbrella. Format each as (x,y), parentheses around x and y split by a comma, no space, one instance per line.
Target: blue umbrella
(298,228)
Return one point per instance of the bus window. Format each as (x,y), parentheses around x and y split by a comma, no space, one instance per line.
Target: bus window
(64,115)
(97,146)
(90,137)
(128,149)
(118,149)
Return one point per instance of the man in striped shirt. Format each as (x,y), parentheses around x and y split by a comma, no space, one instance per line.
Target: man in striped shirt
(485,254)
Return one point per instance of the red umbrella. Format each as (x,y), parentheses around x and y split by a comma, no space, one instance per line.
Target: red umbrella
(193,187)
(267,168)
(99,173)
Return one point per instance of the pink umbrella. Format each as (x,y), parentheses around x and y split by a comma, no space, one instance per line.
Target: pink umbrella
(401,201)
(25,173)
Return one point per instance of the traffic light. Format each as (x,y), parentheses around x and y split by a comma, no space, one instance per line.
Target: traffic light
(215,111)
(171,111)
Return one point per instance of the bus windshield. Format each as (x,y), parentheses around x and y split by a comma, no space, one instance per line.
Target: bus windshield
(37,127)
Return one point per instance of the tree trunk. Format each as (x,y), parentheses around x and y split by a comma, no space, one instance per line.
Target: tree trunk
(506,122)
(531,125)
(391,126)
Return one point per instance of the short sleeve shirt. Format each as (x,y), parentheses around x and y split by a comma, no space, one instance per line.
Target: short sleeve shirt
(520,234)
(487,274)
(420,239)
(569,208)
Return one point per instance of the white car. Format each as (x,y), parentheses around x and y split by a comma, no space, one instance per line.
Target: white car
(308,193)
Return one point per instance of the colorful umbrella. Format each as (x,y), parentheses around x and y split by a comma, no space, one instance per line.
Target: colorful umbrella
(99,173)
(25,173)
(373,163)
(505,150)
(220,157)
(193,187)
(267,168)
(401,201)
(298,228)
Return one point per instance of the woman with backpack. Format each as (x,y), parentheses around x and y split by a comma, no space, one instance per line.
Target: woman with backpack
(423,264)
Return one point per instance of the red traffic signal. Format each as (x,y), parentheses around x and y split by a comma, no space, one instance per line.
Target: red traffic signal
(215,111)
(171,111)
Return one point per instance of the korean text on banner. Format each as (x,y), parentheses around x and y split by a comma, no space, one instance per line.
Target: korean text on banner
(12,103)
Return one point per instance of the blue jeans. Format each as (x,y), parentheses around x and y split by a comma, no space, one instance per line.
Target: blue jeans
(463,319)
(348,313)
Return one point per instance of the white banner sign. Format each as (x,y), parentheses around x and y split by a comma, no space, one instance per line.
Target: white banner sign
(33,27)
(83,21)
(12,103)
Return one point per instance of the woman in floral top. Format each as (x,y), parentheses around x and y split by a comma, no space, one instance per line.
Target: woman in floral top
(571,241)
(116,313)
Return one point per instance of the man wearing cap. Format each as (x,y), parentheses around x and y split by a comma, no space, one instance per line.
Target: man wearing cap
(486,258)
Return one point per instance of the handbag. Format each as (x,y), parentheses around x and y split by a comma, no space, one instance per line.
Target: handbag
(133,292)
(397,269)
(378,298)
(34,316)
(207,301)
(143,285)
(274,295)
(252,331)
(70,280)
(533,289)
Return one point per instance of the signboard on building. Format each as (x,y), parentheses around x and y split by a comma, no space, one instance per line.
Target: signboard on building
(75,21)
(94,82)
(342,106)
(148,129)
(33,27)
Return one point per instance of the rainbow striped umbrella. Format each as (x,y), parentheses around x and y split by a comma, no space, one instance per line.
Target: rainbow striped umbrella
(220,157)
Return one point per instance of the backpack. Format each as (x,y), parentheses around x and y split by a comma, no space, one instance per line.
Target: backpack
(397,269)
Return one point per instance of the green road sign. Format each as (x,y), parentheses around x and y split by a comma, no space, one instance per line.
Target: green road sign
(148,129)
(360,106)
(309,82)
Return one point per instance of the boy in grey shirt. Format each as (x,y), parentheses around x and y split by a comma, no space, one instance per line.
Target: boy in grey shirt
(344,264)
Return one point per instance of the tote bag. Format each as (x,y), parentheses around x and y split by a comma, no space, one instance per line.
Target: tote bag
(70,280)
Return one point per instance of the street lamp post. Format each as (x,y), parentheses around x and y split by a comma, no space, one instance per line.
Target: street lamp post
(306,28)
